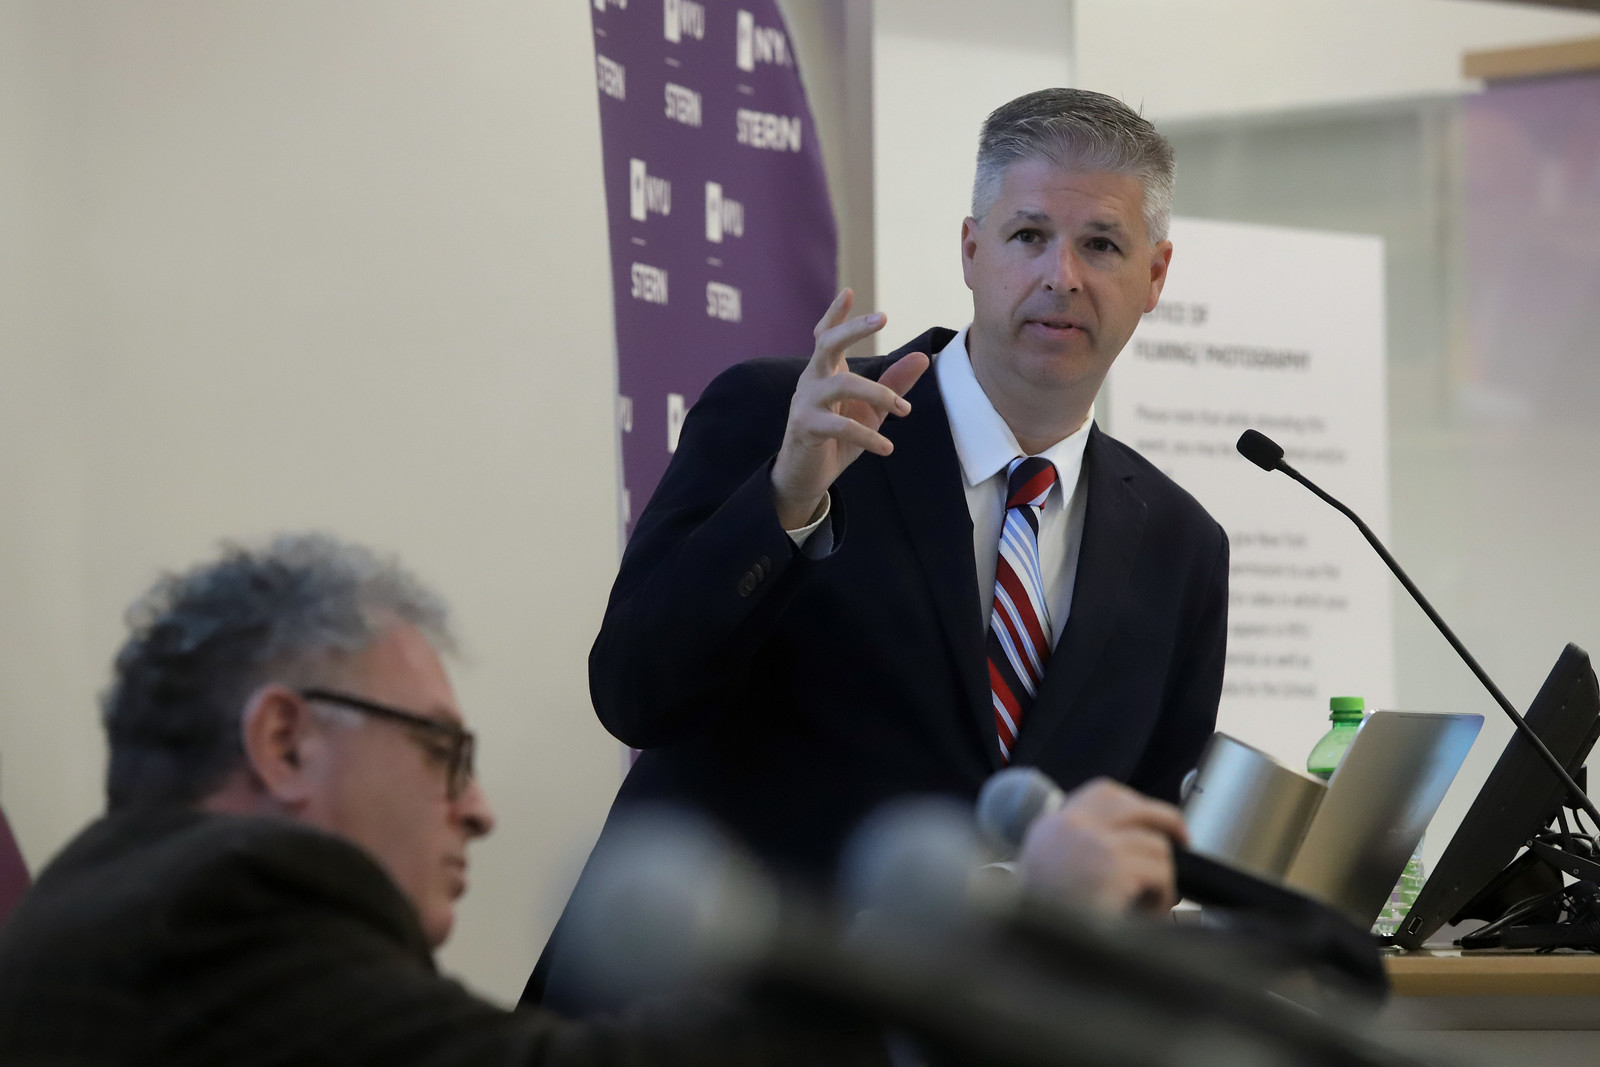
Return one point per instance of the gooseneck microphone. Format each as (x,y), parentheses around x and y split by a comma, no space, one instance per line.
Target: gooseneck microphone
(1267,454)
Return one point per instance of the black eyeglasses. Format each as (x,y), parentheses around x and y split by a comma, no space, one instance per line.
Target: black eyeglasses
(459,741)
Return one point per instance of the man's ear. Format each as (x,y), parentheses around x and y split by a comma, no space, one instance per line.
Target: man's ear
(1160,260)
(969,247)
(276,729)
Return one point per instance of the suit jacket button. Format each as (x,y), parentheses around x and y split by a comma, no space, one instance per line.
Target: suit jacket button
(764,566)
(747,584)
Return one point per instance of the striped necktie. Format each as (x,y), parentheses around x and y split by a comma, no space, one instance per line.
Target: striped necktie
(1019,626)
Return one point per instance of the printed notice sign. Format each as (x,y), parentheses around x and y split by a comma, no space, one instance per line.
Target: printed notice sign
(1280,330)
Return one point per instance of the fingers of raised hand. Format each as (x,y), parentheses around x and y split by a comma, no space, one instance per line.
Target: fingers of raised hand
(836,313)
(841,388)
(829,425)
(903,373)
(832,342)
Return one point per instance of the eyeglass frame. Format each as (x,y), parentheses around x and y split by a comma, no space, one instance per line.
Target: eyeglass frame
(459,772)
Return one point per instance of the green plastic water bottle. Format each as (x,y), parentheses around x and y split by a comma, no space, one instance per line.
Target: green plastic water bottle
(1346,714)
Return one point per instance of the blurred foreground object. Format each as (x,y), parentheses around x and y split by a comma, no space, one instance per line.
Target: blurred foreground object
(972,975)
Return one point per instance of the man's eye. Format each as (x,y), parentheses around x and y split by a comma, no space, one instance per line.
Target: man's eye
(1103,244)
(438,753)
(1027,237)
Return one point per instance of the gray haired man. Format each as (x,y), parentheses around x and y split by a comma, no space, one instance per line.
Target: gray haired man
(823,607)
(290,801)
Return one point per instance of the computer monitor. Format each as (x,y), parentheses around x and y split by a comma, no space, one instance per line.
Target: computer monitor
(1519,799)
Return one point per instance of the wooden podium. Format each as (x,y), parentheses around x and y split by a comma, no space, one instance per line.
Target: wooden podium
(1497,1006)
(1433,974)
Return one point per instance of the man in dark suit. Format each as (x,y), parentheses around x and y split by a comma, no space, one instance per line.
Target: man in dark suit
(290,800)
(824,607)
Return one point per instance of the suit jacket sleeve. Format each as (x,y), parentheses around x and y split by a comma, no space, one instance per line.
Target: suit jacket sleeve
(708,570)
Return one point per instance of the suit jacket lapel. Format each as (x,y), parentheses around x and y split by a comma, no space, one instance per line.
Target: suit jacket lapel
(924,476)
(1113,524)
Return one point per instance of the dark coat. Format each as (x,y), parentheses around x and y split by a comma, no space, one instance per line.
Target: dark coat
(173,938)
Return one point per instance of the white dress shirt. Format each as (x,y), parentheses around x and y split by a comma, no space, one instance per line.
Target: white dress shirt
(986,447)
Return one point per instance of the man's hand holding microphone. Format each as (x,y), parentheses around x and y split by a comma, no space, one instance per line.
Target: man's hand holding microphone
(1102,846)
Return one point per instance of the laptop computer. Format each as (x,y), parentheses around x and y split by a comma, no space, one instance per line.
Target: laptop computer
(1379,801)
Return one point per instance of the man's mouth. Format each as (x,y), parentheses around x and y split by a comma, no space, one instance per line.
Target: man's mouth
(458,874)
(1057,325)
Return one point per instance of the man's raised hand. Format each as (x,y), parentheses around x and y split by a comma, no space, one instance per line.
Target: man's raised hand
(835,414)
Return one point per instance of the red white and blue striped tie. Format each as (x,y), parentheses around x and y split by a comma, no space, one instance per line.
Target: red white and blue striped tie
(1019,626)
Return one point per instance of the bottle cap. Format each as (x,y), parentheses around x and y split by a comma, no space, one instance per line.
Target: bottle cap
(1347,709)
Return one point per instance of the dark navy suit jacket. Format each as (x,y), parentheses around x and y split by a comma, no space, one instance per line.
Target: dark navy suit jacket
(786,696)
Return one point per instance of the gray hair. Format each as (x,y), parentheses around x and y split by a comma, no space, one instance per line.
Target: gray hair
(1079,129)
(201,642)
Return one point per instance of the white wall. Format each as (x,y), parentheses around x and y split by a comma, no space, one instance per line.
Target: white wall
(937,73)
(1182,59)
(832,42)
(269,266)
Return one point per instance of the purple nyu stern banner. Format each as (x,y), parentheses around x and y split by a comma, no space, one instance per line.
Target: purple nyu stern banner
(723,241)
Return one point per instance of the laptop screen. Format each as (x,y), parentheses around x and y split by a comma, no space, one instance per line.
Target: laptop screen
(1378,804)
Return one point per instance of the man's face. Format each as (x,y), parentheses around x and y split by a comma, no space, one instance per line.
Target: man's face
(382,784)
(1061,268)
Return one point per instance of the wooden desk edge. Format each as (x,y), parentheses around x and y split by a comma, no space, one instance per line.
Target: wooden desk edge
(1452,973)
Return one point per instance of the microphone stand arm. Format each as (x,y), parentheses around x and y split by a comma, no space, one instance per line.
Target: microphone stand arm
(1521,724)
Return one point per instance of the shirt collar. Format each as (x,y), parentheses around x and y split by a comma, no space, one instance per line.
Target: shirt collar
(984,443)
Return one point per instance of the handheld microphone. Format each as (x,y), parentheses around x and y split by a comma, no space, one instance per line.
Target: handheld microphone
(1267,454)
(1012,800)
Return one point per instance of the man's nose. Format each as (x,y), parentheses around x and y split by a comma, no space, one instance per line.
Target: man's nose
(472,809)
(1063,269)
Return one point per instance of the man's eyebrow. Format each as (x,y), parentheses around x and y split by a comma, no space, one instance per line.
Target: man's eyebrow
(1111,226)
(1104,226)
(1029,216)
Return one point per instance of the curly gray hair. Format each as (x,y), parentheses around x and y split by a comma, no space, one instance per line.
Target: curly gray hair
(202,641)
(1080,129)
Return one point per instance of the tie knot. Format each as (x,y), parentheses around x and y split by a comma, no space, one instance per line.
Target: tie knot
(1029,481)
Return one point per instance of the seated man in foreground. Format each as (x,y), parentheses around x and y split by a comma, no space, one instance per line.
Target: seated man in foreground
(290,801)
